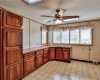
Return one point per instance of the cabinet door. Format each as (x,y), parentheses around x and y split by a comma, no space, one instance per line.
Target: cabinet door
(12,56)
(46,57)
(29,65)
(13,37)
(11,20)
(39,60)
(52,53)
(66,55)
(13,72)
(59,55)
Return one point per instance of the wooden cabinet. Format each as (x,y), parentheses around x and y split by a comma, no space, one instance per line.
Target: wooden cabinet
(63,54)
(46,55)
(59,55)
(13,72)
(66,54)
(11,20)
(29,62)
(1,51)
(12,54)
(12,58)
(39,58)
(52,53)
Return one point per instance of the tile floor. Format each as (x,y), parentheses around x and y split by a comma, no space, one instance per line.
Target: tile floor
(76,70)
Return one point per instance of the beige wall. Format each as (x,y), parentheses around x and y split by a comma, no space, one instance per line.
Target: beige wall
(95,49)
(31,34)
(84,52)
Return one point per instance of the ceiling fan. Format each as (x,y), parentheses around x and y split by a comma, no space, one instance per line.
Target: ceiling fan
(59,16)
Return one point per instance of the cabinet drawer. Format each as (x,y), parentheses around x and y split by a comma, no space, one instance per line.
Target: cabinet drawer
(58,49)
(46,50)
(39,51)
(30,54)
(66,48)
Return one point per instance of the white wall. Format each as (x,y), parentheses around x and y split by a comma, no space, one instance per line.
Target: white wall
(31,33)
(35,34)
(84,52)
(25,33)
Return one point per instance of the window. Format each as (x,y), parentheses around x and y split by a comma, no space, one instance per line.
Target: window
(85,36)
(65,36)
(57,37)
(77,36)
(74,36)
(44,37)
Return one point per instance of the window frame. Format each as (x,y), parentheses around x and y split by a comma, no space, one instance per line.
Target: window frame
(76,43)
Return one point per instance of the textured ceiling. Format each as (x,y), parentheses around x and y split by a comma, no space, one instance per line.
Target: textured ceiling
(86,9)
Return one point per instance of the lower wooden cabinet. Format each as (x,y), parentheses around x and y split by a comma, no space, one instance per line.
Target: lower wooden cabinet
(66,55)
(51,53)
(29,62)
(14,72)
(39,58)
(33,60)
(29,65)
(59,55)
(46,55)
(63,54)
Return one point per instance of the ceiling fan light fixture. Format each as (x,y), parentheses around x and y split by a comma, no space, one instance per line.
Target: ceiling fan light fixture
(58,22)
(71,19)
(31,1)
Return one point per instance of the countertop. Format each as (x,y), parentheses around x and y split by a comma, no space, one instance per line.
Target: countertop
(41,47)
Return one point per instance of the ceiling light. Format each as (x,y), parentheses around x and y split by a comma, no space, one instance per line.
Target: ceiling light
(71,19)
(31,1)
(58,22)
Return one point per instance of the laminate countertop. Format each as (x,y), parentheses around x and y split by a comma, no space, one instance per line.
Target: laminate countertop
(40,47)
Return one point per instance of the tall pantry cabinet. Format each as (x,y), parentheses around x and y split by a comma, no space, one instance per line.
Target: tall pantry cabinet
(11,59)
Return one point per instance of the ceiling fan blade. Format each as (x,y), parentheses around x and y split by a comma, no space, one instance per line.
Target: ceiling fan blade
(50,21)
(62,11)
(47,16)
(69,17)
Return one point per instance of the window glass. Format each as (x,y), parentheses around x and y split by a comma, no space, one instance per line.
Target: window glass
(57,37)
(77,36)
(74,36)
(85,36)
(44,34)
(65,36)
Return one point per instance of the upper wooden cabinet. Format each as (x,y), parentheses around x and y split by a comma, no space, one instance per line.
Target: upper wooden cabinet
(12,37)
(12,20)
(52,53)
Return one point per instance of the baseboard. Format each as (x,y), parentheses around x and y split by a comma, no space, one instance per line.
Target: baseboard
(84,61)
